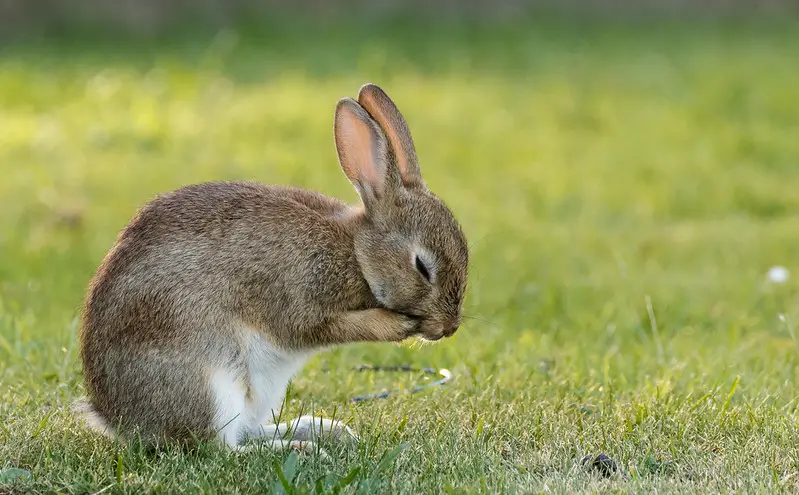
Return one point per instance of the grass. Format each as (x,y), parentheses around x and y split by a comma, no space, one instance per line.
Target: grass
(625,191)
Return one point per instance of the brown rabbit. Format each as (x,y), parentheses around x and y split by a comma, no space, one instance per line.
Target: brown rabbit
(215,294)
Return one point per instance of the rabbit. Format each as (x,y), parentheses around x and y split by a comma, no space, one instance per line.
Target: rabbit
(215,294)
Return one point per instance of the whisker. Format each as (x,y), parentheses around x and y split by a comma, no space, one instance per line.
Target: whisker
(481,320)
(472,244)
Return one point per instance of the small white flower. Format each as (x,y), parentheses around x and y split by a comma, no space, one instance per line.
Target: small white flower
(778,275)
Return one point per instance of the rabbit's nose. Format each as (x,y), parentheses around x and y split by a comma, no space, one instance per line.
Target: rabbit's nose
(452,327)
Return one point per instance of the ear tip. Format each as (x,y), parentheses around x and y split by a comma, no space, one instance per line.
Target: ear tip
(346,102)
(369,90)
(348,105)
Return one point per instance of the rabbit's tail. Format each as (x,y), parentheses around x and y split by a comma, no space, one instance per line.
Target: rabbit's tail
(86,412)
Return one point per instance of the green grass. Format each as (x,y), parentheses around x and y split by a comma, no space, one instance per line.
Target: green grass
(624,190)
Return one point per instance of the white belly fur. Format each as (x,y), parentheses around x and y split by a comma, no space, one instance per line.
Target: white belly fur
(267,371)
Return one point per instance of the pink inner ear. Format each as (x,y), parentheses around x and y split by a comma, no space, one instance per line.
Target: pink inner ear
(358,152)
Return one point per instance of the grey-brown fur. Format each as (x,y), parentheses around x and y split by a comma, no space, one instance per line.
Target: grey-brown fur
(197,264)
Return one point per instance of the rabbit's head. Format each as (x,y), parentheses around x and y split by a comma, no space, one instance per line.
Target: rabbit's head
(411,250)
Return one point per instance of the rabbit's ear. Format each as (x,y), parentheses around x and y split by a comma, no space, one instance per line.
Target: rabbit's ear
(375,101)
(363,152)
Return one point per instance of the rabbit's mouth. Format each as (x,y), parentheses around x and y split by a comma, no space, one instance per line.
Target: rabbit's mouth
(427,329)
(433,329)
(421,324)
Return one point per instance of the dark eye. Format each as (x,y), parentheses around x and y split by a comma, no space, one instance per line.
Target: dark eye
(422,269)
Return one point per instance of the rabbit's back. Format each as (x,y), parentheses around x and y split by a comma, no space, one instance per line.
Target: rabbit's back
(203,254)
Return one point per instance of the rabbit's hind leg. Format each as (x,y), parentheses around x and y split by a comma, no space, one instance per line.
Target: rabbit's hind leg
(308,428)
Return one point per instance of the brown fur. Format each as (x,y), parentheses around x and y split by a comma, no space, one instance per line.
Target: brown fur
(196,264)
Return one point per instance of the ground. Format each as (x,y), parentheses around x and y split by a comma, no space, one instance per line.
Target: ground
(625,191)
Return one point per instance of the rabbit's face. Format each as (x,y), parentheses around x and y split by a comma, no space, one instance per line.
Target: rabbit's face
(411,250)
(414,257)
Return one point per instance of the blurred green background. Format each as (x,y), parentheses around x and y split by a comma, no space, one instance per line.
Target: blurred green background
(626,176)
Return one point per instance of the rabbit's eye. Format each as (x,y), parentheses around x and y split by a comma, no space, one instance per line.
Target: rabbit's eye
(422,269)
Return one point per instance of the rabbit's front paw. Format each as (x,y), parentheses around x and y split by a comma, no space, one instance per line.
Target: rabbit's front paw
(376,325)
(409,326)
